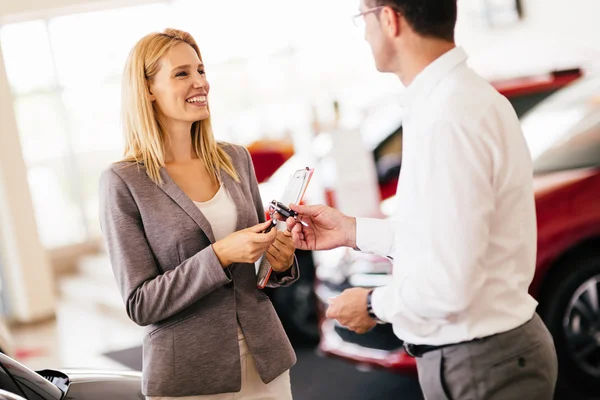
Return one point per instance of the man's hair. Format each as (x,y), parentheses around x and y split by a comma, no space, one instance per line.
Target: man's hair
(428,18)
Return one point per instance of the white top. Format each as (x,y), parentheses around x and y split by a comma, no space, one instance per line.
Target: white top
(463,238)
(221,213)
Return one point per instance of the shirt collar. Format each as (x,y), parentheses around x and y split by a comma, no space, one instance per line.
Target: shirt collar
(427,80)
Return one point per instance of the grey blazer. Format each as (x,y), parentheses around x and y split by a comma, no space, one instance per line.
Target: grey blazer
(172,282)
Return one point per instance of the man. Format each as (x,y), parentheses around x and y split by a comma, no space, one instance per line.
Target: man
(463,238)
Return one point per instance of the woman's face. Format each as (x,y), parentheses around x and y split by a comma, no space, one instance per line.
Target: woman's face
(179,89)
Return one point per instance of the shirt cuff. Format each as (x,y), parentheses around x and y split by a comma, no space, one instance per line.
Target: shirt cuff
(378,303)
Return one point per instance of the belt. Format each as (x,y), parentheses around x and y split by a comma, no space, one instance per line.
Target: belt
(417,350)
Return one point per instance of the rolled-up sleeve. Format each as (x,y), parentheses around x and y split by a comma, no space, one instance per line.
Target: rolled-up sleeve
(375,236)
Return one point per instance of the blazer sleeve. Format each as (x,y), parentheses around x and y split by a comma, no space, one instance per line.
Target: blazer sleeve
(149,295)
(291,275)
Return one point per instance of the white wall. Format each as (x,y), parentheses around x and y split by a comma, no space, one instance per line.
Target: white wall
(16,10)
(553,33)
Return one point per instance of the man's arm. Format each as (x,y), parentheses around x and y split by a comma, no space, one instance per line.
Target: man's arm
(376,236)
(445,237)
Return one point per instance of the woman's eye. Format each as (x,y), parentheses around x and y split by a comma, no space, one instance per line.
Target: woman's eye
(182,73)
(201,71)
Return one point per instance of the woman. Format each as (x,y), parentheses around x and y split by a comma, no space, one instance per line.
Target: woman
(183,221)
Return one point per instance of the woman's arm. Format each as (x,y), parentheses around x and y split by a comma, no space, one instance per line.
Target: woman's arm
(149,296)
(291,275)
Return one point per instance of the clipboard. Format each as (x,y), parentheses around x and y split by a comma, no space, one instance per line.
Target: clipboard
(293,194)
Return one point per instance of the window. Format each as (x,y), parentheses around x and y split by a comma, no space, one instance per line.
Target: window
(268,66)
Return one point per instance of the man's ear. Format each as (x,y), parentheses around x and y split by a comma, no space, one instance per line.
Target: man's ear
(391,21)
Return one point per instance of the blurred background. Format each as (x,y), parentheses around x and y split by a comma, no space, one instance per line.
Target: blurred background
(288,79)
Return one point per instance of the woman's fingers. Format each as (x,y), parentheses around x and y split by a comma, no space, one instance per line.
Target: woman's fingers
(259,228)
(274,252)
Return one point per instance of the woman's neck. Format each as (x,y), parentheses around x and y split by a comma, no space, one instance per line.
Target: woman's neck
(178,143)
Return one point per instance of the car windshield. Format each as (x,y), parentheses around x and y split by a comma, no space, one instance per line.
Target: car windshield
(563,132)
(20,380)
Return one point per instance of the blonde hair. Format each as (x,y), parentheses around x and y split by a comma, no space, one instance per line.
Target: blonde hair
(144,134)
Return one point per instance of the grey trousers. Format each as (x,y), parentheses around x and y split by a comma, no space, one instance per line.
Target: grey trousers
(518,364)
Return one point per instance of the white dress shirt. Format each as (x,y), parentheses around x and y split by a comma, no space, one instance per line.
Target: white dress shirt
(463,236)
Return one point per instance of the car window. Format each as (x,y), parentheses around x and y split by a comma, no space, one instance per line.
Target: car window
(563,132)
(19,379)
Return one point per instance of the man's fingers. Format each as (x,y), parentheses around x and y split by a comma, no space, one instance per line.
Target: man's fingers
(299,242)
(297,228)
(305,210)
(290,223)
(331,312)
(297,234)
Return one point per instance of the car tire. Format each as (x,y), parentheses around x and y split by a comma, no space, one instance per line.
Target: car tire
(568,291)
(296,304)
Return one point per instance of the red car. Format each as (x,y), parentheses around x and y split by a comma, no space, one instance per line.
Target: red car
(563,133)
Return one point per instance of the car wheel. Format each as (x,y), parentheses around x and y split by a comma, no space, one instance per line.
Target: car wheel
(296,304)
(571,310)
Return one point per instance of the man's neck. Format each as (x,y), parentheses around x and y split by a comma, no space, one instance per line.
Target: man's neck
(421,53)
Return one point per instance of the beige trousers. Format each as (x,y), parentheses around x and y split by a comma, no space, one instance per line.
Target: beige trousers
(253,387)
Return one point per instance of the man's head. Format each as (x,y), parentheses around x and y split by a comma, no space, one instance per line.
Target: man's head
(393,25)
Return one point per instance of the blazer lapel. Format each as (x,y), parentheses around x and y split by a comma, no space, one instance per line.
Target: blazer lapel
(179,197)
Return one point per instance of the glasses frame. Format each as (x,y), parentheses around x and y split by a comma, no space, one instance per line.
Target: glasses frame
(357,19)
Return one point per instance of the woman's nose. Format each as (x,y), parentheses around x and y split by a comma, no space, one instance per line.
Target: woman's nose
(199,80)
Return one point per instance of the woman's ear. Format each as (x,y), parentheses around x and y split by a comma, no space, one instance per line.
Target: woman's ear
(151,95)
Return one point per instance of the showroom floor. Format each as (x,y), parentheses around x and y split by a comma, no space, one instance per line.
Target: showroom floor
(91,323)
(92,330)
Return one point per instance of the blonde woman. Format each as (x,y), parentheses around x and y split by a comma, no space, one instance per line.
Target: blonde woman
(183,222)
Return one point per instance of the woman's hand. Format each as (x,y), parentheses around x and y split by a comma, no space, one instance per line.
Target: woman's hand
(281,253)
(245,246)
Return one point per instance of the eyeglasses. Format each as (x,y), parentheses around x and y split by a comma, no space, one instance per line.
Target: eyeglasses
(359,19)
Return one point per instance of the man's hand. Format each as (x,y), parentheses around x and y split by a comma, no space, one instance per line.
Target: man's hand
(327,228)
(350,309)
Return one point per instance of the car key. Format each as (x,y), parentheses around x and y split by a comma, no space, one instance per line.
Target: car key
(285,211)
